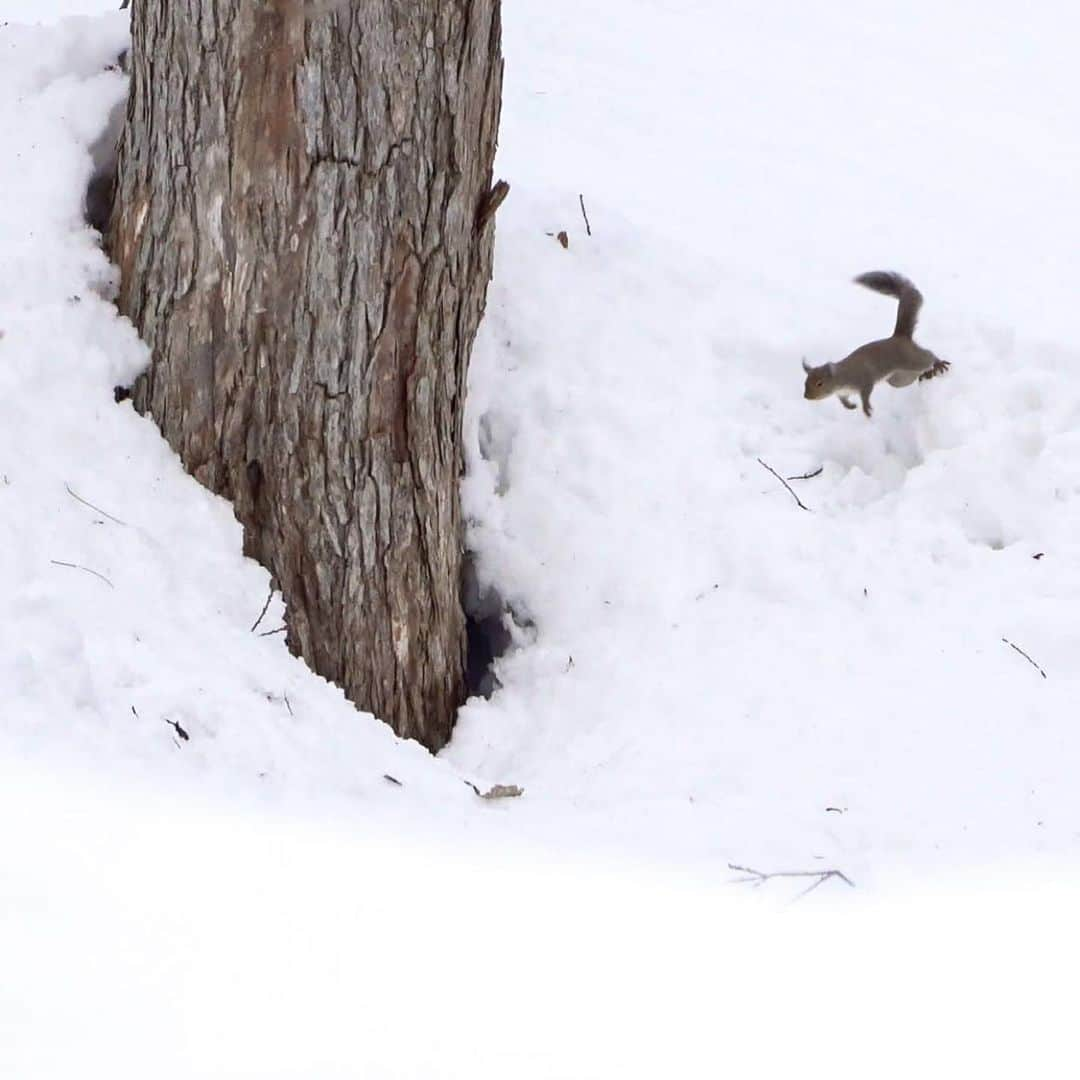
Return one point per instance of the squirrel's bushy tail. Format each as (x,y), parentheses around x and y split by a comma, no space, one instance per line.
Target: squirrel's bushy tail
(885,281)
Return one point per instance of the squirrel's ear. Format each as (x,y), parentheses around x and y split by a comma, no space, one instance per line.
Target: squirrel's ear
(805,366)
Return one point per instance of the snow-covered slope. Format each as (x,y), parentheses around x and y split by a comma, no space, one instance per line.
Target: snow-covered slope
(712,673)
(717,671)
(128,605)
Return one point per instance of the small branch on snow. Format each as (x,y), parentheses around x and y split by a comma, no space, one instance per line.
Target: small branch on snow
(172,723)
(271,633)
(288,705)
(177,728)
(785,483)
(1025,656)
(85,569)
(809,475)
(270,596)
(588,227)
(78,498)
(498,791)
(757,878)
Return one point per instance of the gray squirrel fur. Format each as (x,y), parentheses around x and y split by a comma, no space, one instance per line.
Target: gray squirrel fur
(897,359)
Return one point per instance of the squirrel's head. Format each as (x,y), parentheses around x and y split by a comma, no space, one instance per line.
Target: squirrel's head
(819,381)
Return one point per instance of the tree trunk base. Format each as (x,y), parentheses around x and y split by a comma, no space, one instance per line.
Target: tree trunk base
(300,232)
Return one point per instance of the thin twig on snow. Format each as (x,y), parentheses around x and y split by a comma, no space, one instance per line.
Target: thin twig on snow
(255,624)
(588,227)
(1025,656)
(757,878)
(177,728)
(785,483)
(85,569)
(78,498)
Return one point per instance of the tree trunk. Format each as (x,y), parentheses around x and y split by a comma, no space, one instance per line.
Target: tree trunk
(300,231)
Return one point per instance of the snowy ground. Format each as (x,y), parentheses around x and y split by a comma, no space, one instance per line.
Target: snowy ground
(715,675)
(741,666)
(195,944)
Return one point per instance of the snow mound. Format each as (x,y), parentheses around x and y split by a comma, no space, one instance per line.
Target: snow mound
(704,671)
(714,670)
(130,611)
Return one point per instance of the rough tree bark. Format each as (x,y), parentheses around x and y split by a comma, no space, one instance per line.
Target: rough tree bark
(301,232)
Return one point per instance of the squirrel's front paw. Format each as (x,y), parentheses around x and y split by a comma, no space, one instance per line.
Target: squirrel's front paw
(939,368)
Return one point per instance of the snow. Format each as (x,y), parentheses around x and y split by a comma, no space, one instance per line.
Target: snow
(831,683)
(188,942)
(705,673)
(136,610)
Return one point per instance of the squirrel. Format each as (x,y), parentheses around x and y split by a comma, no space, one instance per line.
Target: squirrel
(896,359)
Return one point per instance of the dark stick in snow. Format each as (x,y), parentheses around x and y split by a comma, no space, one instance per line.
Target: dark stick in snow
(85,569)
(177,728)
(756,877)
(78,498)
(255,624)
(588,227)
(1025,656)
(784,482)
(809,475)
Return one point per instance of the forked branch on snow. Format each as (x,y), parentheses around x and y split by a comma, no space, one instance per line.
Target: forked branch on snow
(785,483)
(757,878)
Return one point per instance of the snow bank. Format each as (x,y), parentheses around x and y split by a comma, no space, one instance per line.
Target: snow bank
(129,608)
(713,673)
(717,672)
